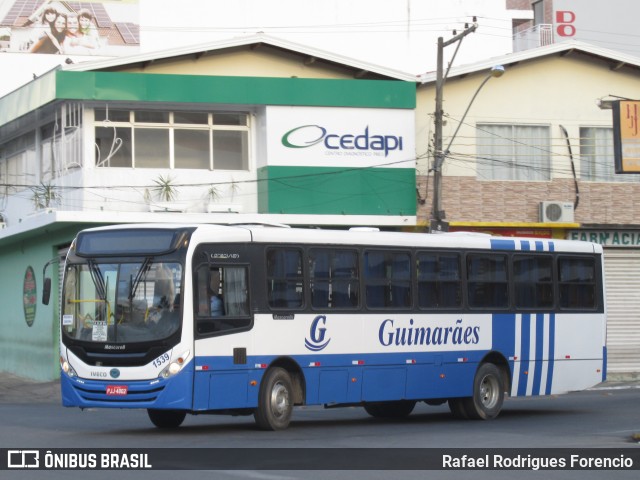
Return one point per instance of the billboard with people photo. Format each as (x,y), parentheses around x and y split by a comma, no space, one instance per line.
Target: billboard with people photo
(97,27)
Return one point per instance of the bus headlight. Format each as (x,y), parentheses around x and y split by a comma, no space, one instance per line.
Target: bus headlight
(66,368)
(175,366)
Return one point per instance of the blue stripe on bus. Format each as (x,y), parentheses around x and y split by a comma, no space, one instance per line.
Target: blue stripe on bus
(537,376)
(524,245)
(604,363)
(552,339)
(524,354)
(499,244)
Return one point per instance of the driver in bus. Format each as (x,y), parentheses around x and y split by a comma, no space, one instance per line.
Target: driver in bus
(217,307)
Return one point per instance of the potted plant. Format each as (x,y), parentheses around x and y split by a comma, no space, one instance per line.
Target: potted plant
(165,188)
(214,195)
(167,193)
(44,196)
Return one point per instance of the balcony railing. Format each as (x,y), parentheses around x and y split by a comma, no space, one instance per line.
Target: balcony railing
(536,36)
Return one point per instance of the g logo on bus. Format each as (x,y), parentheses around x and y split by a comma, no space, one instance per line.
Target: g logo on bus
(317,335)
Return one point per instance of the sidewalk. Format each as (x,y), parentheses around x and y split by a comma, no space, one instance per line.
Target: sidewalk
(20,390)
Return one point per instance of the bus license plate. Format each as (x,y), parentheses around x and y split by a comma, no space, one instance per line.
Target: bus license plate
(119,390)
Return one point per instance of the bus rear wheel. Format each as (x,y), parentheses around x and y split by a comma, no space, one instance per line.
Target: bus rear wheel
(488,393)
(399,409)
(275,401)
(166,418)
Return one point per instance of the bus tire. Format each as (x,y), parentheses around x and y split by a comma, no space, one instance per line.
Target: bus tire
(456,406)
(488,393)
(399,409)
(275,401)
(166,418)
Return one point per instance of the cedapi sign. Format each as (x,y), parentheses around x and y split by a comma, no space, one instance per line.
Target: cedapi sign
(327,136)
(611,238)
(307,136)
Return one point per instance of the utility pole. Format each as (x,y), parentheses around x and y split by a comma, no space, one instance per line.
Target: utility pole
(437,223)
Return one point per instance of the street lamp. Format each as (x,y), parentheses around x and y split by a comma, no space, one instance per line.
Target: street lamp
(438,224)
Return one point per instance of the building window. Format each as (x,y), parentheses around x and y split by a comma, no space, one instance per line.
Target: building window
(161,139)
(514,152)
(538,12)
(596,156)
(18,162)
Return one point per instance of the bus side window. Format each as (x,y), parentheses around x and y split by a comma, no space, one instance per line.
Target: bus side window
(533,281)
(375,279)
(334,278)
(222,298)
(387,279)
(487,281)
(577,283)
(439,280)
(346,285)
(284,278)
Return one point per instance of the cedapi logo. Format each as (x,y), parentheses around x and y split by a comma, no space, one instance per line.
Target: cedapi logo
(317,334)
(307,136)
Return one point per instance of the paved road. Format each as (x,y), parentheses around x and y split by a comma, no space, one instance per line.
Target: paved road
(31,416)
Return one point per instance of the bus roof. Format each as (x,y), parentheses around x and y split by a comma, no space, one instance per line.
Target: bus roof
(282,234)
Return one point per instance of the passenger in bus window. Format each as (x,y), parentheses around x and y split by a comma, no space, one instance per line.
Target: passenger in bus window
(164,290)
(217,307)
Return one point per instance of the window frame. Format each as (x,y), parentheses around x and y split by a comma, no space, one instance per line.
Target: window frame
(243,130)
(332,279)
(298,280)
(509,171)
(439,281)
(229,324)
(551,283)
(488,282)
(388,282)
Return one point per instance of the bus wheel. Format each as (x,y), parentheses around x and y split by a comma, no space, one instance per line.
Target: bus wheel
(166,418)
(399,409)
(456,405)
(275,403)
(488,393)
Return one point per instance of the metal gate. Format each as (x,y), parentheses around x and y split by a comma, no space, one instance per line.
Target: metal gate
(622,276)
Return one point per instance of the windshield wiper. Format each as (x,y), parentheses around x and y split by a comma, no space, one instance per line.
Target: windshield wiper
(98,279)
(146,265)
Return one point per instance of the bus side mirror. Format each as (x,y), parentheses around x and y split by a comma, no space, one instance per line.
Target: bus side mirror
(46,291)
(46,284)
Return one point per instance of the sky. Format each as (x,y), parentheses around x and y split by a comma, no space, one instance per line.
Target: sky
(396,34)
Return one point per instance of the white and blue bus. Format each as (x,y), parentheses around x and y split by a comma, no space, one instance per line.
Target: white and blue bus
(250,319)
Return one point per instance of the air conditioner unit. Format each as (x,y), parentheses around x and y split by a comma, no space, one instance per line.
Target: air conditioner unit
(556,212)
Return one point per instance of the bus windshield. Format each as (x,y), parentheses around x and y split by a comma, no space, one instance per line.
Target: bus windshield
(121,302)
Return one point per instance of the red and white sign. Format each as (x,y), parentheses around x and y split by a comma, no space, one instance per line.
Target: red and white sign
(612,25)
(117,390)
